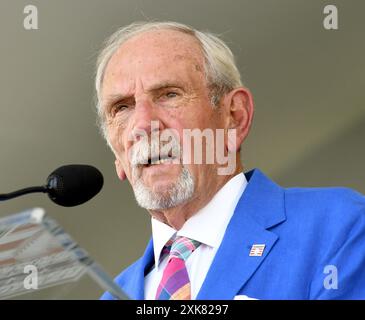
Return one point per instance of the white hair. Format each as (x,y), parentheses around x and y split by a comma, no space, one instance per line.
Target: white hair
(221,72)
(177,193)
(180,192)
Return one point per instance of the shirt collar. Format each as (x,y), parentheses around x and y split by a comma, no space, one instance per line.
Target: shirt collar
(215,217)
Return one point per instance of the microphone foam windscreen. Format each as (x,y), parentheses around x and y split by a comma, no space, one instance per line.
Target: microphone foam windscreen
(74,184)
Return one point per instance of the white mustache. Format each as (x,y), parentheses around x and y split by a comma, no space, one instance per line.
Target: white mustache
(142,152)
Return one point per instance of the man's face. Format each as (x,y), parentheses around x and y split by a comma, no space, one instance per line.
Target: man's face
(158,76)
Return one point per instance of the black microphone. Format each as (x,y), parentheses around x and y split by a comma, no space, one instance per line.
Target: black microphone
(67,186)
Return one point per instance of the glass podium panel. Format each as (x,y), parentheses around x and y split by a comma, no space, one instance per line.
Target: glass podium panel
(39,260)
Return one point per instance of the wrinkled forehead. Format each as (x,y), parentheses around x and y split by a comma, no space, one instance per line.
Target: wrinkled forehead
(154,52)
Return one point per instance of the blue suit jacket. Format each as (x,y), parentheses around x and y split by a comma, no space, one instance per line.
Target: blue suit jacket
(313,237)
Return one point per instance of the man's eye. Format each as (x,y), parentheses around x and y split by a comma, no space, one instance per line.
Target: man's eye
(118,108)
(171,94)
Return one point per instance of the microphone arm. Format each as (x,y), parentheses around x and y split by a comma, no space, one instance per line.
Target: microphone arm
(67,186)
(18,193)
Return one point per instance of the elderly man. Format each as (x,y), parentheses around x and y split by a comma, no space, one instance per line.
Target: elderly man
(216,234)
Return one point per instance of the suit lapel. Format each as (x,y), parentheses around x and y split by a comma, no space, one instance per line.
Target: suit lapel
(260,207)
(132,279)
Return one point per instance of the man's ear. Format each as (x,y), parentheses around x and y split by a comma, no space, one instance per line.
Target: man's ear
(240,110)
(120,171)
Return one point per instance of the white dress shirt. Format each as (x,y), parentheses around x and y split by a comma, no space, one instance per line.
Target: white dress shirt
(207,226)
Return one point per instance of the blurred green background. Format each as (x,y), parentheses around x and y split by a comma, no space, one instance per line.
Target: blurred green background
(307,82)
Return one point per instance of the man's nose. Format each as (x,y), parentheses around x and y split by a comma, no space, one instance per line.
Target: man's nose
(146,120)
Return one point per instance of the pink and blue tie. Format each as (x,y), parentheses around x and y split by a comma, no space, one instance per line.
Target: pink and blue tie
(175,282)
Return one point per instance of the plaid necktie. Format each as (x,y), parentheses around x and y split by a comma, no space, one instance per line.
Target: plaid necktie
(175,283)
